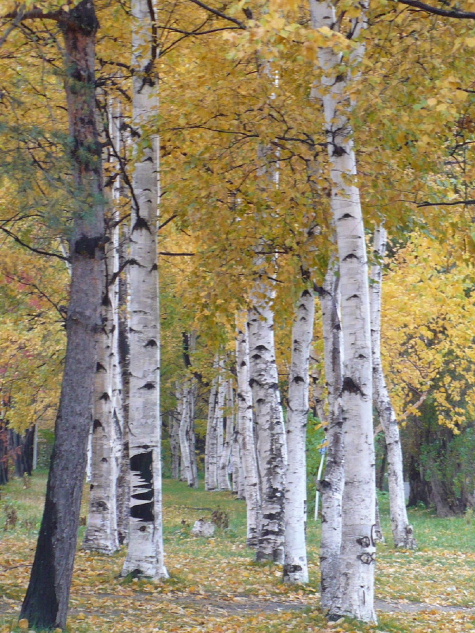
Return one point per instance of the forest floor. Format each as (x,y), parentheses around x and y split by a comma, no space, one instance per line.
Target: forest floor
(215,586)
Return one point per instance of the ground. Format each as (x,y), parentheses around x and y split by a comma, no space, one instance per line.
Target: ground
(215,586)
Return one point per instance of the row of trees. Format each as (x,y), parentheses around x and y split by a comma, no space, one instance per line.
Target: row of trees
(275,220)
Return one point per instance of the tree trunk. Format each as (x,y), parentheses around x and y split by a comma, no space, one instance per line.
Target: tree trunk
(145,557)
(174,429)
(46,602)
(246,429)
(102,531)
(295,562)
(211,448)
(331,486)
(101,534)
(214,439)
(271,449)
(123,482)
(355,595)
(187,434)
(225,459)
(403,532)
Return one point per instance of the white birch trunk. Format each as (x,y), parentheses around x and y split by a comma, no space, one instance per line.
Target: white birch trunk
(101,534)
(187,435)
(248,437)
(146,555)
(211,448)
(225,459)
(191,433)
(102,531)
(237,469)
(123,483)
(295,561)
(271,448)
(331,486)
(403,532)
(118,391)
(219,426)
(355,595)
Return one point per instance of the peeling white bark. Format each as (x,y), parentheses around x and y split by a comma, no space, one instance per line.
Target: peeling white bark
(355,595)
(403,531)
(331,486)
(107,430)
(211,448)
(225,458)
(246,429)
(271,448)
(101,534)
(186,434)
(174,430)
(295,561)
(146,555)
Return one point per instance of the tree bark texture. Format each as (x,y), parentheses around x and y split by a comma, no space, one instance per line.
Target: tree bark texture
(225,458)
(295,561)
(271,447)
(46,602)
(332,483)
(215,434)
(107,428)
(187,433)
(145,555)
(248,435)
(355,595)
(403,531)
(174,431)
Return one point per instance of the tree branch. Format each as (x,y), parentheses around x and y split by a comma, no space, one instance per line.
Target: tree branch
(167,254)
(219,13)
(12,26)
(38,251)
(446,204)
(447,13)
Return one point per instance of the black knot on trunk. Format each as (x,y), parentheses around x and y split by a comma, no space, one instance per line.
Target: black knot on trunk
(141,225)
(83,17)
(350,385)
(87,245)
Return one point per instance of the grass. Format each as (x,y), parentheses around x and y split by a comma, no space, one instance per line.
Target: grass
(215,586)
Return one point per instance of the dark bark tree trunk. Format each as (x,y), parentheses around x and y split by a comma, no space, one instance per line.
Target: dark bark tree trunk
(47,598)
(3,454)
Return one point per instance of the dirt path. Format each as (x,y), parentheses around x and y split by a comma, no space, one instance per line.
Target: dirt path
(212,604)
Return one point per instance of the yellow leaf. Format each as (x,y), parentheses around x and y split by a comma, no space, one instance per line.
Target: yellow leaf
(23,624)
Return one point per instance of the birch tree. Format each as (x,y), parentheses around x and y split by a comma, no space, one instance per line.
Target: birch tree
(246,428)
(186,433)
(107,428)
(215,407)
(355,594)
(295,560)
(403,531)
(145,554)
(225,458)
(332,483)
(271,448)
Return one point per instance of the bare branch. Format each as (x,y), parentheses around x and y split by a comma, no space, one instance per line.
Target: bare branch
(447,13)
(167,254)
(12,26)
(38,251)
(446,204)
(219,14)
